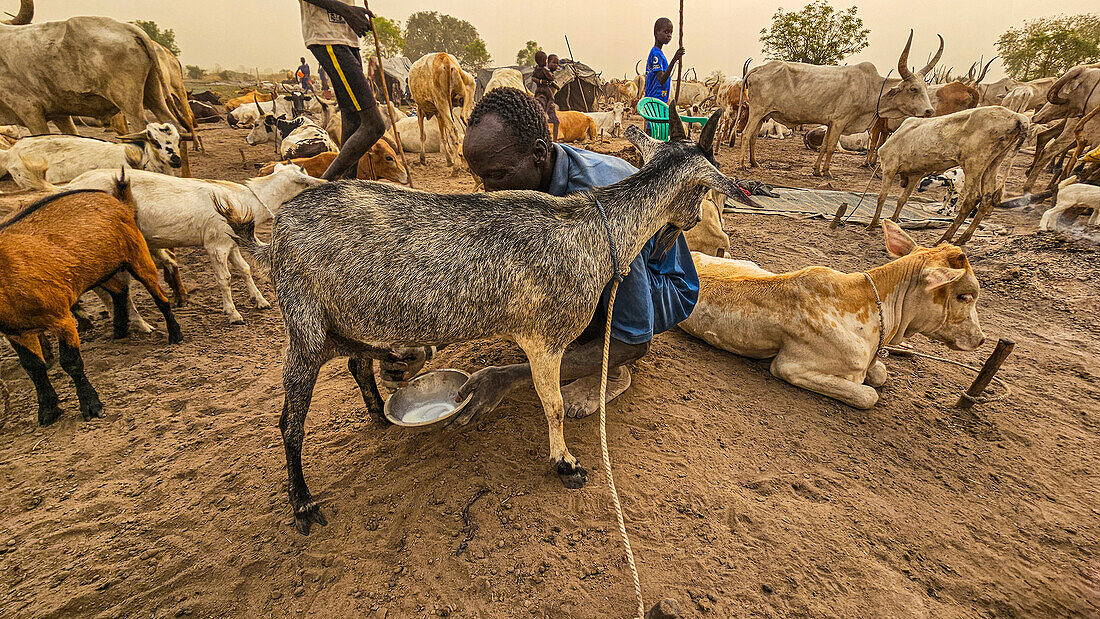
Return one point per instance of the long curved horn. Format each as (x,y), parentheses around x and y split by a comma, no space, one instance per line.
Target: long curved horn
(25,15)
(984,69)
(970,73)
(903,61)
(706,136)
(675,125)
(745,69)
(935,59)
(636,71)
(1052,94)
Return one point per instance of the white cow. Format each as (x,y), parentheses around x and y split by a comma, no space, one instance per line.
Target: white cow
(1074,199)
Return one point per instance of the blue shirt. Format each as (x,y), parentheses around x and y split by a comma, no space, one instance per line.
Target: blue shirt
(656,63)
(657,294)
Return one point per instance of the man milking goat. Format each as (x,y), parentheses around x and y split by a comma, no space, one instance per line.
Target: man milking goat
(508,146)
(331,30)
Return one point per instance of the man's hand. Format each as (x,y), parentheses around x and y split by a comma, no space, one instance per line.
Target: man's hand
(358,18)
(488,387)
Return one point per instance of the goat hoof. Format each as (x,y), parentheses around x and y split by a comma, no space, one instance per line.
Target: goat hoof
(306,515)
(119,334)
(92,411)
(48,415)
(175,336)
(572,476)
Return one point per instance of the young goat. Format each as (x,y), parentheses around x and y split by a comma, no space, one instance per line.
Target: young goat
(360,266)
(179,212)
(51,253)
(40,161)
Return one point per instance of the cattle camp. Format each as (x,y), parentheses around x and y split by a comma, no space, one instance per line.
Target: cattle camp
(333,308)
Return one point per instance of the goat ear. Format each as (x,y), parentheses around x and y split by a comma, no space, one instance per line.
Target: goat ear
(676,131)
(646,145)
(134,137)
(706,136)
(722,184)
(898,242)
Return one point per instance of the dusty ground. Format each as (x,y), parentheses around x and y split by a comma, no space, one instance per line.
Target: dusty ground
(744,496)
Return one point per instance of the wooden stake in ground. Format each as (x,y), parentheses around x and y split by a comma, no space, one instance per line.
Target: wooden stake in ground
(992,364)
(839,213)
(386,97)
(680,65)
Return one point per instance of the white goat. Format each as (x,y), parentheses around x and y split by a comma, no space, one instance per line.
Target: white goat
(39,161)
(179,212)
(611,121)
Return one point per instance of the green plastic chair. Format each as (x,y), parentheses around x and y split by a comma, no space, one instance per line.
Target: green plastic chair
(655,112)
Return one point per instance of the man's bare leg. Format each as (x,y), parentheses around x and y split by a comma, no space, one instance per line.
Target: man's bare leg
(368,129)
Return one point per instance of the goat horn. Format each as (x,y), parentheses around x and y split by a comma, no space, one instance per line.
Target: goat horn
(984,69)
(25,15)
(903,61)
(935,59)
(1052,94)
(676,131)
(706,136)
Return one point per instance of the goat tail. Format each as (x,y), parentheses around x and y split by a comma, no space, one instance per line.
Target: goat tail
(31,173)
(244,229)
(122,188)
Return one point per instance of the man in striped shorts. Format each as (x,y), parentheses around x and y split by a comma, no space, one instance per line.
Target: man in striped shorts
(331,29)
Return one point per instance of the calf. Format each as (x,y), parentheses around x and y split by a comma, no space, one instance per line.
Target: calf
(952,180)
(179,212)
(40,161)
(778,131)
(301,137)
(51,253)
(822,328)
(611,122)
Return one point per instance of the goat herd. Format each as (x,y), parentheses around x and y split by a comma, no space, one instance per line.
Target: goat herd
(361,266)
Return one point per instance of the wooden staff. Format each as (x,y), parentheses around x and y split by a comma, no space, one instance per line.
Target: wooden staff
(992,364)
(386,97)
(680,64)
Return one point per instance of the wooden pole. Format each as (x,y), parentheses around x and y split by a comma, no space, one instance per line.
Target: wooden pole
(992,364)
(680,64)
(577,78)
(386,97)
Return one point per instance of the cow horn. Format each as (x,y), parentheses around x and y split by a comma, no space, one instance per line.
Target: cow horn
(903,61)
(984,69)
(675,125)
(1052,94)
(970,72)
(636,71)
(25,15)
(935,59)
(706,136)
(745,69)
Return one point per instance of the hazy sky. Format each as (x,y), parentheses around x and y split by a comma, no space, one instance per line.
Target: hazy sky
(609,36)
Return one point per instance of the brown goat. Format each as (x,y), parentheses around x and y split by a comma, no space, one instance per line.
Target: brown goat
(51,253)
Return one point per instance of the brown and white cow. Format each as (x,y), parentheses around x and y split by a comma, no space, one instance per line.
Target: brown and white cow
(821,327)
(437,83)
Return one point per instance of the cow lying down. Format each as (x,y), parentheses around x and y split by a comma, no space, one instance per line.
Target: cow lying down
(821,327)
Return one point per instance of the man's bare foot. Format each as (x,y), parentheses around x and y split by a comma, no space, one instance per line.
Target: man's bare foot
(582,396)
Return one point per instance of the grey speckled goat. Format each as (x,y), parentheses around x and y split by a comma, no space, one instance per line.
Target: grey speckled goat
(360,266)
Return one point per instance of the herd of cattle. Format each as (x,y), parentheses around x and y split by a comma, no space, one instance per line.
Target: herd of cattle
(99,71)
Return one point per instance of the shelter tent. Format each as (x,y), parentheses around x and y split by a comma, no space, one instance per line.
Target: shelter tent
(578,84)
(396,70)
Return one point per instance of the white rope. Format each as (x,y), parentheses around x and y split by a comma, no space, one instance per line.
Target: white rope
(607,458)
(906,352)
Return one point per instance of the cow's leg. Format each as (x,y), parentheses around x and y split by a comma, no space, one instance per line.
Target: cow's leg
(30,357)
(851,393)
(820,160)
(872,148)
(219,257)
(968,200)
(987,199)
(832,138)
(362,369)
(66,125)
(35,121)
(420,123)
(748,139)
(546,374)
(887,180)
(876,374)
(911,182)
(445,139)
(242,265)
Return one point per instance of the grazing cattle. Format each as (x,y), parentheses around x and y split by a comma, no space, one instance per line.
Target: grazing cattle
(692,92)
(1074,199)
(380,163)
(978,140)
(708,237)
(250,96)
(301,137)
(625,91)
(1017,99)
(728,94)
(206,96)
(610,121)
(204,112)
(822,328)
(52,252)
(41,161)
(1074,94)
(505,78)
(83,66)
(437,84)
(844,99)
(179,212)
(946,99)
(575,127)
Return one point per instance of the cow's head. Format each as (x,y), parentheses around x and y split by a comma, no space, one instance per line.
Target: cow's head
(385,162)
(909,97)
(161,143)
(298,102)
(263,132)
(944,304)
(617,118)
(1069,95)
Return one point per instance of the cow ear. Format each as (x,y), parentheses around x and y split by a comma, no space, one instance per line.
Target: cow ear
(938,277)
(898,243)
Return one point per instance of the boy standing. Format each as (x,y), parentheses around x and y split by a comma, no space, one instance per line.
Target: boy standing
(658,70)
(543,77)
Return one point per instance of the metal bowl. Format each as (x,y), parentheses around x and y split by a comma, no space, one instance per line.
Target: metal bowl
(427,399)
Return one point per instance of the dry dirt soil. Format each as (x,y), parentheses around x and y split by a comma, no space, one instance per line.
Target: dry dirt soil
(744,496)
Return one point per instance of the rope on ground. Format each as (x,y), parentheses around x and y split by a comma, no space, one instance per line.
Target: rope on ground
(607,458)
(906,352)
(864,194)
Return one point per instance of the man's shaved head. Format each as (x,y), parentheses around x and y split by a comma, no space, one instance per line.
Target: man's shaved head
(661,24)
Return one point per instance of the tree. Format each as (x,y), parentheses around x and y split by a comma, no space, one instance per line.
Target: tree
(167,38)
(1050,46)
(818,34)
(389,37)
(194,71)
(526,56)
(428,31)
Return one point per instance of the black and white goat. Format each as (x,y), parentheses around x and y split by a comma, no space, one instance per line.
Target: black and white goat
(301,137)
